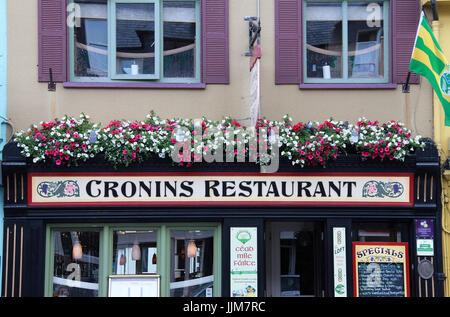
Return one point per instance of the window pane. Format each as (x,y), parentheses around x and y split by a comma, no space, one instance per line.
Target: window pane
(365,39)
(91,40)
(76,264)
(135,38)
(380,232)
(134,252)
(192,254)
(179,38)
(324,40)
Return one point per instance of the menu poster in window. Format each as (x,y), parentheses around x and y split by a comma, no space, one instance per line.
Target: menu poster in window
(134,286)
(244,262)
(339,262)
(380,269)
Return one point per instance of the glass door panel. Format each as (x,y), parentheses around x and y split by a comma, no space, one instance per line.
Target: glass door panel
(293,259)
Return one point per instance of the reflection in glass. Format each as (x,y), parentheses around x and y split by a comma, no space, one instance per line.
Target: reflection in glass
(365,39)
(135,38)
(379,235)
(296,263)
(76,264)
(91,39)
(324,40)
(179,38)
(134,252)
(191,263)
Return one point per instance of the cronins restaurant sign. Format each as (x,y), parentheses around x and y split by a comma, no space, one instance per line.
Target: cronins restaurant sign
(62,189)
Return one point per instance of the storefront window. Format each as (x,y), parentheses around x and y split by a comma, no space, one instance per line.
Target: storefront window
(134,252)
(191,263)
(76,264)
(185,258)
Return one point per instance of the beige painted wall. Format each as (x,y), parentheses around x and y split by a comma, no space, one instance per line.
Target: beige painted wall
(29,101)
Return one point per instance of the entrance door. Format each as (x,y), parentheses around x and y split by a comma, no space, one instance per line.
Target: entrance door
(293,259)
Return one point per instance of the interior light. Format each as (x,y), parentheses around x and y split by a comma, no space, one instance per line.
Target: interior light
(192,249)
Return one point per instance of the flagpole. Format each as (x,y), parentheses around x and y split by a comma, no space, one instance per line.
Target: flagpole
(406,84)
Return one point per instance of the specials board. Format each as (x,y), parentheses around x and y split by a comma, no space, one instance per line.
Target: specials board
(380,269)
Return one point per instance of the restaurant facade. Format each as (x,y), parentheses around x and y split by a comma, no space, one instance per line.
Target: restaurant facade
(354,228)
(93,210)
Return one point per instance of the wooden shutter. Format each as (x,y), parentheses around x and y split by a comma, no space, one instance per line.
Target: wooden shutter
(52,32)
(215,47)
(406,14)
(288,39)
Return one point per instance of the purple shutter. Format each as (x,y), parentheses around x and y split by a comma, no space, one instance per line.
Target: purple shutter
(287,41)
(406,18)
(215,48)
(52,40)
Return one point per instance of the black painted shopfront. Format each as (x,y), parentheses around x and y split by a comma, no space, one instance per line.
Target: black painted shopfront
(81,231)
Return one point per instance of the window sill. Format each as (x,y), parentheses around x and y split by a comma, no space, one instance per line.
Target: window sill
(133,85)
(349,86)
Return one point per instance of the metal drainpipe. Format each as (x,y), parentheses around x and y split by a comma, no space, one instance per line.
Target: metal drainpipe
(445,179)
(3,99)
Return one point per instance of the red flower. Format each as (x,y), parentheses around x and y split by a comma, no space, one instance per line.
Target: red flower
(297,127)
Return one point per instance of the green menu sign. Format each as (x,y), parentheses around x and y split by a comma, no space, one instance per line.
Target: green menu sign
(243,262)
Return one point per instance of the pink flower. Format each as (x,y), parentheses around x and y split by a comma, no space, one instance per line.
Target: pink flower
(58,162)
(124,152)
(70,188)
(372,189)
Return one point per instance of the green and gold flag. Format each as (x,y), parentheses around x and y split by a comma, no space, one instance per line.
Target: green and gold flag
(429,61)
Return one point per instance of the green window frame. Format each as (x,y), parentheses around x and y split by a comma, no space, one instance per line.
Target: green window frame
(158,76)
(345,46)
(106,251)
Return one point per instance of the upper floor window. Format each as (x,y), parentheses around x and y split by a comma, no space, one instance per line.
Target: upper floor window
(136,40)
(346,41)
